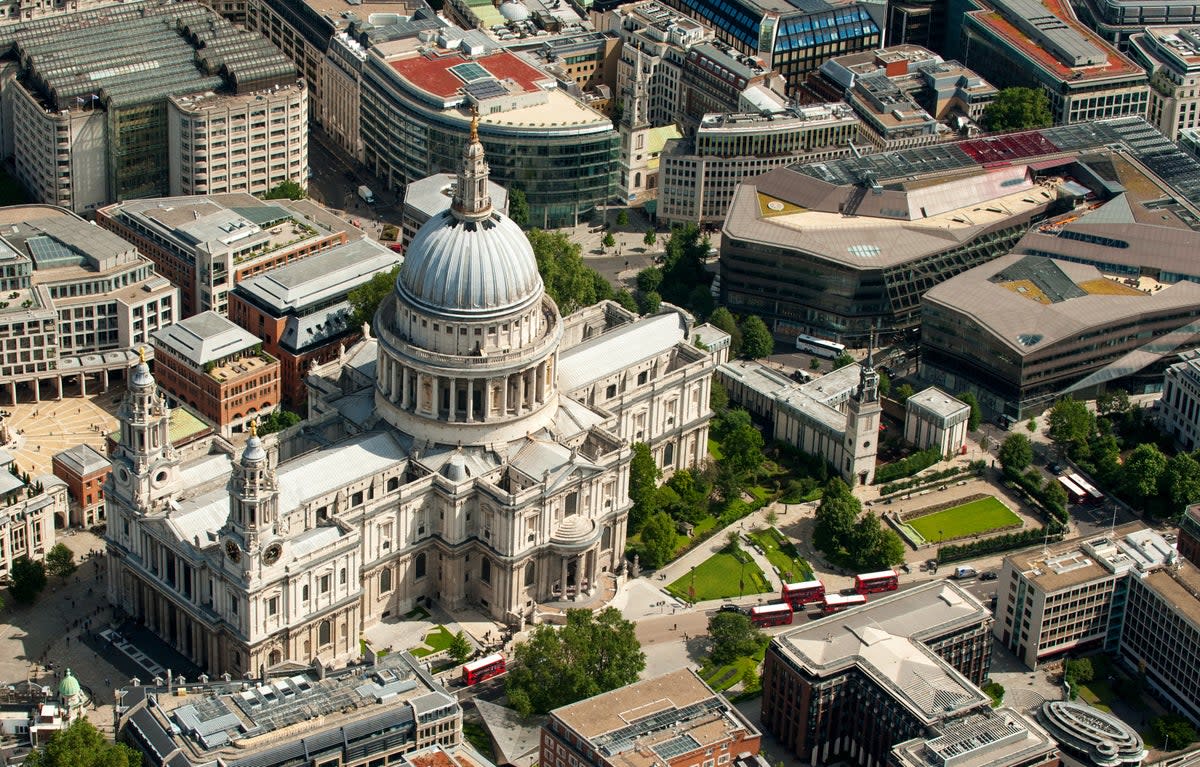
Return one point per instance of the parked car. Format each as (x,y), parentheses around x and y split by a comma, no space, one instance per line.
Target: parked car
(989,575)
(729,608)
(1056,468)
(963,571)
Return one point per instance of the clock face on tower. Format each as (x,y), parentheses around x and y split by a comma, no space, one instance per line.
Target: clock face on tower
(232,551)
(272,553)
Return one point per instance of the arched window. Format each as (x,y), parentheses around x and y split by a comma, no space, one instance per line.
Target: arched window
(323,633)
(385,579)
(274,658)
(606,537)
(393,484)
(485,570)
(530,574)
(420,565)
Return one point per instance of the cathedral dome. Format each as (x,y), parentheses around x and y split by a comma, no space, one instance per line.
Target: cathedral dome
(460,266)
(470,261)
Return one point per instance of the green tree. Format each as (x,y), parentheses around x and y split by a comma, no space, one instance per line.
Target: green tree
(842,360)
(700,301)
(27,579)
(756,339)
(969,399)
(608,240)
(650,238)
(1031,425)
(593,653)
(649,279)
(814,364)
(569,281)
(626,300)
(718,397)
(723,319)
(650,302)
(741,444)
(733,636)
(1142,471)
(285,190)
(278,420)
(835,518)
(1172,731)
(1181,481)
(658,540)
(82,745)
(60,561)
(366,298)
(1077,672)
(1018,109)
(622,218)
(872,546)
(1070,423)
(643,482)
(1115,401)
(1016,454)
(518,207)
(903,392)
(692,492)
(1055,497)
(460,647)
(885,384)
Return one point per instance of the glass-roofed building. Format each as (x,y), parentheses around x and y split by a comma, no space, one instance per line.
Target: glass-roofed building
(792,36)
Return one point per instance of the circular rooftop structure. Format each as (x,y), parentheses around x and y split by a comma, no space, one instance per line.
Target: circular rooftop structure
(69,686)
(514,10)
(1101,738)
(460,267)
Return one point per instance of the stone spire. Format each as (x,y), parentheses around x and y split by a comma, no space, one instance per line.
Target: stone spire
(471,199)
(868,379)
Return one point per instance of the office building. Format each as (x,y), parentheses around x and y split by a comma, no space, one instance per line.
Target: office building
(391,712)
(1117,21)
(1179,408)
(444,459)
(699,175)
(28,516)
(932,418)
(1070,596)
(1189,534)
(77,303)
(416,114)
(906,95)
(147,100)
(205,245)
(301,312)
(84,469)
(1021,331)
(1003,738)
(219,369)
(835,417)
(792,38)
(835,248)
(674,720)
(904,666)
(918,22)
(1040,44)
(1171,56)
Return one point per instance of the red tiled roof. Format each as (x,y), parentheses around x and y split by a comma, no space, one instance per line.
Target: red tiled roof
(433,75)
(1117,63)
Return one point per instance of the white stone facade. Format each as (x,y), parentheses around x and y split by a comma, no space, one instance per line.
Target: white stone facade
(932,418)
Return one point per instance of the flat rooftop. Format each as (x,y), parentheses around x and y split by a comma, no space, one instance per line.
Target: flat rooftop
(1002,736)
(231,721)
(1072,563)
(320,278)
(883,639)
(1179,586)
(204,338)
(446,75)
(655,720)
(1113,65)
(938,402)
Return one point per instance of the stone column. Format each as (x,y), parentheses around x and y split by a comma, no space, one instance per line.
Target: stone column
(452,384)
(562,581)
(104,380)
(405,398)
(83,384)
(470,399)
(58,384)
(12,390)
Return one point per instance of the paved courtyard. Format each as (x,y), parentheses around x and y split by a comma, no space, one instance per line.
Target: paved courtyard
(38,430)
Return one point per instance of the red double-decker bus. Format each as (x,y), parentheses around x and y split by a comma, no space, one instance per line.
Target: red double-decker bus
(483,668)
(835,603)
(777,614)
(870,583)
(799,594)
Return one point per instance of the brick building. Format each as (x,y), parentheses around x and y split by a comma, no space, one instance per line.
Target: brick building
(905,665)
(84,469)
(217,368)
(1189,534)
(301,311)
(673,720)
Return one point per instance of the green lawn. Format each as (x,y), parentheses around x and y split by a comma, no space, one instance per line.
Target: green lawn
(717,578)
(714,449)
(782,554)
(721,678)
(435,641)
(978,516)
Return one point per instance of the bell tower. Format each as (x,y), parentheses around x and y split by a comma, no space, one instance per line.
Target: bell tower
(863,412)
(254,496)
(145,464)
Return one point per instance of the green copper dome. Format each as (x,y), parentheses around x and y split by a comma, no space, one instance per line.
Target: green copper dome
(69,686)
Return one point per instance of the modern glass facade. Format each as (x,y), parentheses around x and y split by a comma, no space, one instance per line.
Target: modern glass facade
(564,171)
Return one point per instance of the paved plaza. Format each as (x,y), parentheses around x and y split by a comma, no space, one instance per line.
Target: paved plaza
(38,430)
